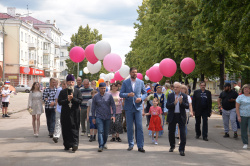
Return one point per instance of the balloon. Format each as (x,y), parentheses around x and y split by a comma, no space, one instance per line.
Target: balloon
(147,72)
(118,77)
(97,84)
(124,71)
(102,75)
(112,81)
(157,64)
(167,67)
(76,54)
(94,68)
(26,70)
(111,75)
(101,49)
(146,78)
(90,55)
(100,80)
(155,74)
(85,70)
(106,78)
(139,76)
(112,62)
(187,65)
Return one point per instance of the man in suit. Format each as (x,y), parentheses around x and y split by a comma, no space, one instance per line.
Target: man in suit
(134,92)
(177,102)
(202,106)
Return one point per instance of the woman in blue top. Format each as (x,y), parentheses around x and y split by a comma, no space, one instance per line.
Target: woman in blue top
(243,113)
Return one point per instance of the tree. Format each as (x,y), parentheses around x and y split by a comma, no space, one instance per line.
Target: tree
(83,38)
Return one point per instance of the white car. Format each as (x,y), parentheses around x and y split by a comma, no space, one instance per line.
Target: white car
(23,88)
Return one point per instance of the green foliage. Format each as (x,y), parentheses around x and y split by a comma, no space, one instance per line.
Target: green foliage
(83,38)
(203,30)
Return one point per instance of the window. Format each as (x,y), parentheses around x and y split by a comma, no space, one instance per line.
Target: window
(62,54)
(26,56)
(61,63)
(26,37)
(21,36)
(29,55)
(21,54)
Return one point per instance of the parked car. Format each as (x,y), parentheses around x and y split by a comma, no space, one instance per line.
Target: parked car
(23,88)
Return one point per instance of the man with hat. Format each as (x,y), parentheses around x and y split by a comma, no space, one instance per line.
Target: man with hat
(101,114)
(226,101)
(70,100)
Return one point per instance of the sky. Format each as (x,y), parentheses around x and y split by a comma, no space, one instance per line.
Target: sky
(114,19)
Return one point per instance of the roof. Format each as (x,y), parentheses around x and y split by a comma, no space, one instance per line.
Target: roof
(5,15)
(32,19)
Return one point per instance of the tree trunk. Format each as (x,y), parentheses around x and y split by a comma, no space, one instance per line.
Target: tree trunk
(186,81)
(202,77)
(222,69)
(194,83)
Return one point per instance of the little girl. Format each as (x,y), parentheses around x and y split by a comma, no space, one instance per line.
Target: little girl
(155,123)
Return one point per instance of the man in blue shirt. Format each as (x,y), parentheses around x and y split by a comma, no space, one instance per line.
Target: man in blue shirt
(101,114)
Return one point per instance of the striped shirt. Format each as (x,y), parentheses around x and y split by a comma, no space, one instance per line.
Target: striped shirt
(86,95)
(49,94)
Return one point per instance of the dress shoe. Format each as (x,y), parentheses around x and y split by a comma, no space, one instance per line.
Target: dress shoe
(182,153)
(66,148)
(205,139)
(55,139)
(171,149)
(141,150)
(74,148)
(130,148)
(197,136)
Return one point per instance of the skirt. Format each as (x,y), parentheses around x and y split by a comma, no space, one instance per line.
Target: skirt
(117,126)
(155,123)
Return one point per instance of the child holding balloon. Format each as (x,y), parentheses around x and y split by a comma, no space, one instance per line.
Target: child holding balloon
(156,120)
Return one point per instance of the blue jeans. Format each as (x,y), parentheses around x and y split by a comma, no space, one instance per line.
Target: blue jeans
(51,119)
(103,131)
(134,116)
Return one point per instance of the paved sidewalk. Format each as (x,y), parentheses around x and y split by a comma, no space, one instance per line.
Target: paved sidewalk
(18,102)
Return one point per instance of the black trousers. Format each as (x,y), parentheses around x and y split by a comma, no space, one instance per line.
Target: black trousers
(204,117)
(171,135)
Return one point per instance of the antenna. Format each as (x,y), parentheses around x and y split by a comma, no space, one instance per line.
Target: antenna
(27,11)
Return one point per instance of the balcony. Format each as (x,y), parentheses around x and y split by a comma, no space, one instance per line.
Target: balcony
(56,56)
(32,63)
(46,52)
(32,46)
(57,45)
(46,64)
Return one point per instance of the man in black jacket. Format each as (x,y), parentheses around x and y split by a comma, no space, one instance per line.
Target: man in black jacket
(202,106)
(177,102)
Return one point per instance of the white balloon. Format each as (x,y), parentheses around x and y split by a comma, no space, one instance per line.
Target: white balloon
(146,78)
(94,68)
(124,71)
(102,75)
(106,78)
(85,70)
(157,64)
(101,49)
(111,75)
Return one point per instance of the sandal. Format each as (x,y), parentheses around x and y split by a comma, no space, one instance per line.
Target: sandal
(112,140)
(118,139)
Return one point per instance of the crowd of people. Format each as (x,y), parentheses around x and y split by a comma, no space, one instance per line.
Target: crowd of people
(112,109)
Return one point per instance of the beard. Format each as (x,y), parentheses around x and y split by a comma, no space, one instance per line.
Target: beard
(134,76)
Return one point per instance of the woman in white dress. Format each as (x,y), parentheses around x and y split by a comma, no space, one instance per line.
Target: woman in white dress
(35,103)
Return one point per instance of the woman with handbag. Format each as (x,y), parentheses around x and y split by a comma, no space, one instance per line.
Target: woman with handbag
(36,107)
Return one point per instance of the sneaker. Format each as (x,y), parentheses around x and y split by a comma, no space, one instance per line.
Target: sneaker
(112,139)
(105,146)
(226,135)
(3,116)
(82,134)
(153,141)
(118,139)
(88,134)
(156,143)
(94,138)
(91,138)
(100,149)
(245,146)
(235,135)
(6,115)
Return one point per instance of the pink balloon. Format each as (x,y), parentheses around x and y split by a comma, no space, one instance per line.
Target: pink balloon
(147,72)
(90,55)
(112,62)
(139,76)
(168,67)
(118,77)
(76,54)
(155,74)
(112,81)
(187,65)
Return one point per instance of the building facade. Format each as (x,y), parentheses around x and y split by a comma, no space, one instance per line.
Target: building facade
(64,55)
(31,48)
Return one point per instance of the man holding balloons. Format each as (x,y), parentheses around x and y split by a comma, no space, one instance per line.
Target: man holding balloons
(134,92)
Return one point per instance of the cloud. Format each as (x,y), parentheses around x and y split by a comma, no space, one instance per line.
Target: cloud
(112,18)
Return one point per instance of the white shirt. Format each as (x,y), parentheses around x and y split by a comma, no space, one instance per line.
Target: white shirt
(7,98)
(133,84)
(189,102)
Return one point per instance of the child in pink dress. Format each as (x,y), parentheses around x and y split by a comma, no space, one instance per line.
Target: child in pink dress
(155,123)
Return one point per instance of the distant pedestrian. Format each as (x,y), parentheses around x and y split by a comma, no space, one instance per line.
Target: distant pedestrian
(92,126)
(227,98)
(5,100)
(101,112)
(243,112)
(57,131)
(202,108)
(50,105)
(78,83)
(36,104)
